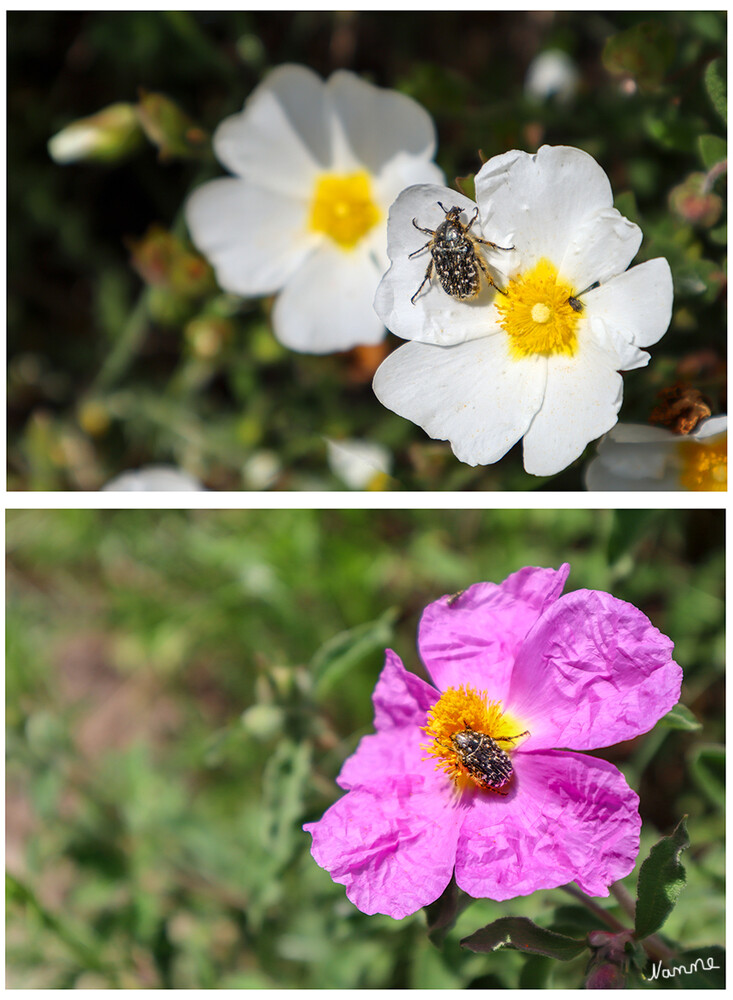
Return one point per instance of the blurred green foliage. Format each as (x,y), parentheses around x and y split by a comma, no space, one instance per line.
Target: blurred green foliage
(183,687)
(108,373)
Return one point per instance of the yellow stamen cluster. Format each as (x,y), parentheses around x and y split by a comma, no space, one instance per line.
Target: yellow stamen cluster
(704,466)
(537,315)
(343,208)
(463,708)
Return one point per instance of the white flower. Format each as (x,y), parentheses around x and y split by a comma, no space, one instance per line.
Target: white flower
(540,361)
(363,465)
(639,457)
(153,478)
(317,166)
(552,73)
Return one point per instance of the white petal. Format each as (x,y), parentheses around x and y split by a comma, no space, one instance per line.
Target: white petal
(712,427)
(153,478)
(254,241)
(582,398)
(626,357)
(358,463)
(281,140)
(434,317)
(634,457)
(540,201)
(473,395)
(378,124)
(327,305)
(401,172)
(637,304)
(602,246)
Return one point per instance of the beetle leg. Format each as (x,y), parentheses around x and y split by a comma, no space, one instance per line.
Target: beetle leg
(472,220)
(485,269)
(416,252)
(430,232)
(504,739)
(428,276)
(488,243)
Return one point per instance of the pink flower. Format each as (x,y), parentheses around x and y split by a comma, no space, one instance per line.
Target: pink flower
(534,671)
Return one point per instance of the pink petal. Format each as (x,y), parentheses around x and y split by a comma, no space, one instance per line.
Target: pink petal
(473,639)
(569,818)
(400,698)
(393,847)
(401,702)
(593,671)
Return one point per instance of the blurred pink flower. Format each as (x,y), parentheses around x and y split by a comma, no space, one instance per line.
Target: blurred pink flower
(534,671)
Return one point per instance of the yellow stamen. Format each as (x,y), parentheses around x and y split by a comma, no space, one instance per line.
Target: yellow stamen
(463,708)
(537,315)
(704,466)
(343,208)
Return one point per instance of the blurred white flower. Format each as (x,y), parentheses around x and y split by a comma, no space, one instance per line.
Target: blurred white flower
(639,457)
(552,74)
(261,470)
(362,465)
(317,165)
(166,478)
(539,360)
(110,134)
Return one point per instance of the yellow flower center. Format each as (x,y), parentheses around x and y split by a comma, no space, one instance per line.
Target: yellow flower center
(457,710)
(704,466)
(343,208)
(537,315)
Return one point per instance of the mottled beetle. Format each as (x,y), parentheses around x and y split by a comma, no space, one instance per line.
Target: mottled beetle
(455,254)
(488,765)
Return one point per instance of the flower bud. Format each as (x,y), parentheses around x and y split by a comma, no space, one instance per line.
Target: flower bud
(107,136)
(171,129)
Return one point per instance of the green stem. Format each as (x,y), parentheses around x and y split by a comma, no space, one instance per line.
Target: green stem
(126,347)
(604,915)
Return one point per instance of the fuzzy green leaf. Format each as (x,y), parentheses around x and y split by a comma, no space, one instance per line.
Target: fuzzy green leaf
(521,934)
(713,149)
(715,83)
(680,717)
(338,656)
(661,879)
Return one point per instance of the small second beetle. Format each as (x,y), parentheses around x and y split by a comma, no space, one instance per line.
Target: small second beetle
(455,254)
(488,765)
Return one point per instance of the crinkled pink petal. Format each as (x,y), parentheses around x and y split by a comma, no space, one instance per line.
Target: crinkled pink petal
(473,638)
(400,698)
(401,702)
(568,818)
(592,672)
(393,847)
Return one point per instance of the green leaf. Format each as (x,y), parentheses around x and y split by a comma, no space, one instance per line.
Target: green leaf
(713,149)
(707,765)
(340,654)
(661,879)
(719,235)
(467,185)
(521,934)
(680,717)
(716,87)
